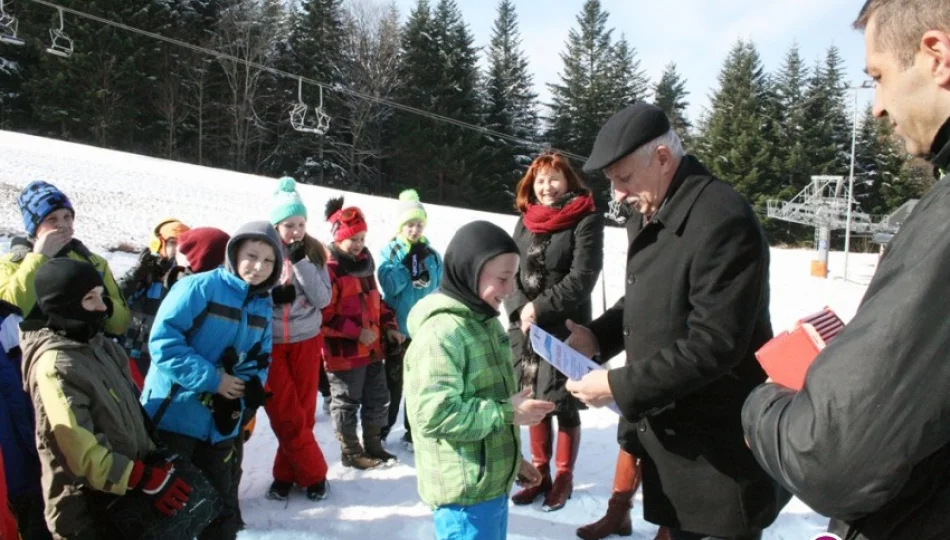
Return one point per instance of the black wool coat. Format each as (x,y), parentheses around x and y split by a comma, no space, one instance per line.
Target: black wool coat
(695,310)
(867,439)
(564,267)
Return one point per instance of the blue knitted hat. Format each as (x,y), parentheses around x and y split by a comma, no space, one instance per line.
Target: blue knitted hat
(38,200)
(287,202)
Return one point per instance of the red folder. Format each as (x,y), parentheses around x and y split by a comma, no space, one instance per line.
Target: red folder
(787,357)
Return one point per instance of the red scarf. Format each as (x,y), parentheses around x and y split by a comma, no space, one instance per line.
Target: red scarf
(540,219)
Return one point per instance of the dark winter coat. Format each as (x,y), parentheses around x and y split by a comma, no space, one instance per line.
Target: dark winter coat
(867,439)
(695,311)
(558,273)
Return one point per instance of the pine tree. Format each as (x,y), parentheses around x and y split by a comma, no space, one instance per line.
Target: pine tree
(630,83)
(738,137)
(828,128)
(881,182)
(790,92)
(585,97)
(670,94)
(511,103)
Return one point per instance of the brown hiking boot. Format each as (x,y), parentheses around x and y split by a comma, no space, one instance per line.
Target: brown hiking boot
(541,446)
(373,442)
(617,518)
(353,454)
(568,442)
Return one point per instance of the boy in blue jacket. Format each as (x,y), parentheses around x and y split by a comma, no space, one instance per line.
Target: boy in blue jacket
(410,270)
(210,348)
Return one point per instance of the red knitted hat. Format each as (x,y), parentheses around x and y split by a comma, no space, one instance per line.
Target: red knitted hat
(204,247)
(344,222)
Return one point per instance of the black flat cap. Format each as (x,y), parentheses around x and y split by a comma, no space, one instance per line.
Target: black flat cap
(626,131)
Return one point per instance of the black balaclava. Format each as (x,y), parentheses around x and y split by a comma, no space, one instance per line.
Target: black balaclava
(472,246)
(61,285)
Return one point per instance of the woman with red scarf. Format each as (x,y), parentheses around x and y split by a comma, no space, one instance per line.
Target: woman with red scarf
(561,238)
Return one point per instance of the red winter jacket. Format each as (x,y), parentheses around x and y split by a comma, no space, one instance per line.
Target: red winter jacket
(356,304)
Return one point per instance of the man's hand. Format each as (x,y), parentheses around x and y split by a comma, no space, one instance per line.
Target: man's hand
(52,242)
(529,412)
(593,389)
(582,339)
(528,317)
(528,476)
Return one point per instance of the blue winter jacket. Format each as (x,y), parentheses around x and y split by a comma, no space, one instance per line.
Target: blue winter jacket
(201,317)
(398,291)
(17,425)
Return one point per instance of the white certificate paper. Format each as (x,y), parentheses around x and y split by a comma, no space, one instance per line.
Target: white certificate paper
(565,359)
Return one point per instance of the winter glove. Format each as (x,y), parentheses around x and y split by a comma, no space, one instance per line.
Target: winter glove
(414,261)
(226,413)
(283,294)
(174,275)
(166,489)
(296,251)
(255,358)
(254,394)
(229,359)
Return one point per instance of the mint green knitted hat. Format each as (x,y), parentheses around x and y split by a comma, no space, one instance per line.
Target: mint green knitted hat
(287,202)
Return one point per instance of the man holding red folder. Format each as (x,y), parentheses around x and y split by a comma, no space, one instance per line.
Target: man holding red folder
(695,310)
(867,439)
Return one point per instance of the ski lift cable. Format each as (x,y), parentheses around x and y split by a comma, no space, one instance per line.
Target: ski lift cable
(279,72)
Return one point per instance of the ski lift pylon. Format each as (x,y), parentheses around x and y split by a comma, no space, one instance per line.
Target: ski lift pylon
(8,28)
(298,115)
(60,44)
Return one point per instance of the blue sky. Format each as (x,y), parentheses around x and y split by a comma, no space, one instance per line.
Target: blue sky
(696,34)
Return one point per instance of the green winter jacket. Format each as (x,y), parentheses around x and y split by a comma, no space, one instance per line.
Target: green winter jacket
(459,377)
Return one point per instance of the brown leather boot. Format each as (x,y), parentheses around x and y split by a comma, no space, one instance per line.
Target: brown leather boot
(617,519)
(568,441)
(541,442)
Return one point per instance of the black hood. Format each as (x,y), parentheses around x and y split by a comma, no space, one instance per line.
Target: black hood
(472,246)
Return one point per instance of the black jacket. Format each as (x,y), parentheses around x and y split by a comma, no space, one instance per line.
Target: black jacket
(694,313)
(867,440)
(564,266)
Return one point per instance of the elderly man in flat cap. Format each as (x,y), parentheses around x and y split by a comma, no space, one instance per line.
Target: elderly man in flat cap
(696,309)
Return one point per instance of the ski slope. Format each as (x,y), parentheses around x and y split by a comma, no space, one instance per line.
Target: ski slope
(119,197)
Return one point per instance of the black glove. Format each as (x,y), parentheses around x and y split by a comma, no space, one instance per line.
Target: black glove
(283,294)
(174,275)
(254,394)
(296,251)
(229,359)
(414,261)
(259,359)
(226,413)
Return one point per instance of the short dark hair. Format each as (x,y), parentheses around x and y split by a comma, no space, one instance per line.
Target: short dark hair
(901,24)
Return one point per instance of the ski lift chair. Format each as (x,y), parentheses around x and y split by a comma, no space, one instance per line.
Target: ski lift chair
(320,123)
(60,44)
(8,28)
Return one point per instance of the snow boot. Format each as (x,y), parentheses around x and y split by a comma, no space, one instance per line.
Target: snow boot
(541,443)
(374,446)
(568,442)
(353,454)
(279,491)
(617,519)
(407,442)
(318,491)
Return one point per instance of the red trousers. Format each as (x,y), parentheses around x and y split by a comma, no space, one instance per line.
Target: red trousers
(8,527)
(293,379)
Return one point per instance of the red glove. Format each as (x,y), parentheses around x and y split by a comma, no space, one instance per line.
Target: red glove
(168,491)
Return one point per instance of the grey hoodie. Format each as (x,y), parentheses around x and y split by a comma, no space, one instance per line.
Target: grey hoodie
(301,319)
(262,231)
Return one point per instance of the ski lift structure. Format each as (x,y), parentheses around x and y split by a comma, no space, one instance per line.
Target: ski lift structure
(318,123)
(60,44)
(824,205)
(8,28)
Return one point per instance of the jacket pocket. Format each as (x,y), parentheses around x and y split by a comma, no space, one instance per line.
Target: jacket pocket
(482,457)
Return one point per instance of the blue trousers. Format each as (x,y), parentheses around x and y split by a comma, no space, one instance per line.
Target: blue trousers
(482,521)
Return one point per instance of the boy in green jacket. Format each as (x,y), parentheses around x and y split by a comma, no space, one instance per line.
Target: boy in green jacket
(462,397)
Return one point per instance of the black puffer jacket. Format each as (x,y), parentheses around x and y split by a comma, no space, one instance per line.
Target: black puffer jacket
(558,273)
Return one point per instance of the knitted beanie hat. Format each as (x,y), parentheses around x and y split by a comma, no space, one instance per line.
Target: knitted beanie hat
(38,200)
(204,248)
(344,222)
(287,202)
(166,230)
(409,208)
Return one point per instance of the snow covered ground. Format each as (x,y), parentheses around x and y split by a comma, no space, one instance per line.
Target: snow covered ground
(119,197)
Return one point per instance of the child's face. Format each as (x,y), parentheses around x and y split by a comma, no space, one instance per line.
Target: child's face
(497,279)
(93,300)
(413,229)
(170,249)
(61,220)
(255,261)
(354,244)
(292,229)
